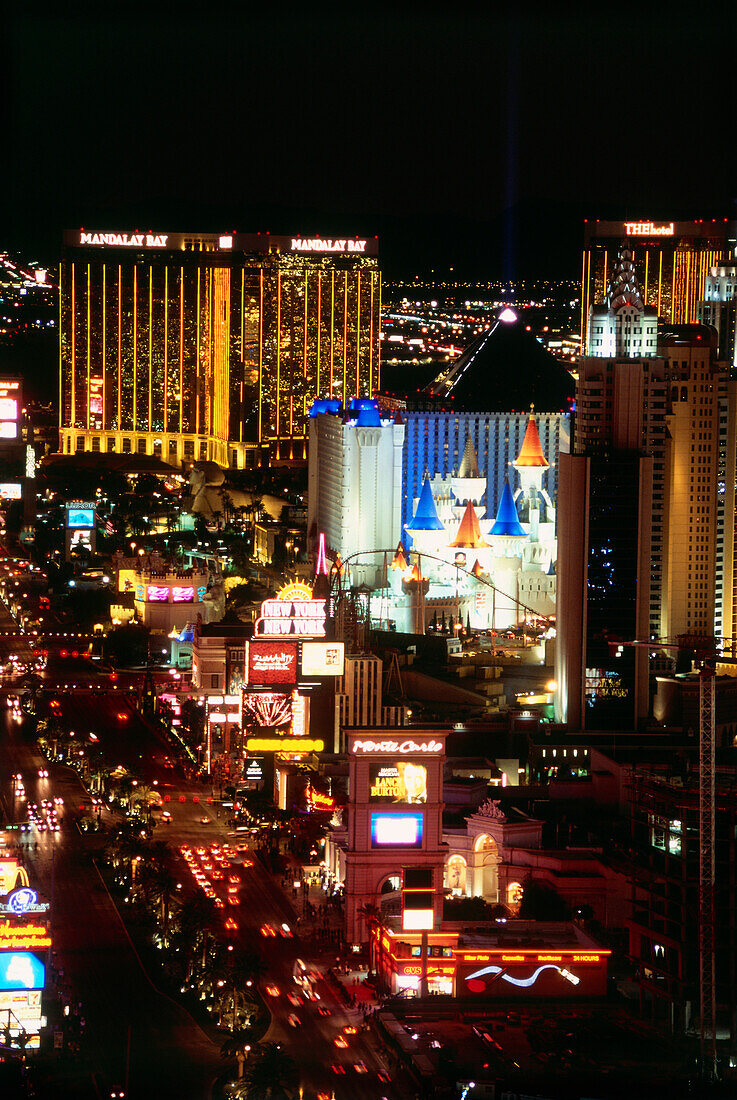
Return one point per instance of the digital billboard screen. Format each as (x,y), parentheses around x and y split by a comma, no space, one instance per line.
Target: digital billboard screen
(80,517)
(323,658)
(403,781)
(389,830)
(10,490)
(21,970)
(272,662)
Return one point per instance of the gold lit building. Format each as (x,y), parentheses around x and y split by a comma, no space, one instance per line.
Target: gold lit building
(202,346)
(672,261)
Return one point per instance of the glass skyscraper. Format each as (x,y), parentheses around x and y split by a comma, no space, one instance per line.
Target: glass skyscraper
(206,346)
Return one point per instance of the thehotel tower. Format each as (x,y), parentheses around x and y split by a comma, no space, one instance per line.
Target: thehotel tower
(673,260)
(206,346)
(642,527)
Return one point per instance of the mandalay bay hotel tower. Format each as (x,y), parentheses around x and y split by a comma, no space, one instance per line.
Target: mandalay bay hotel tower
(196,346)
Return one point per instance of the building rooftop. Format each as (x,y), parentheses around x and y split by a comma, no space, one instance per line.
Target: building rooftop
(504,370)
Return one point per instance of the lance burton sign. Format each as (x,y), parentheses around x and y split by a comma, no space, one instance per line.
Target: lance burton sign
(648,229)
(318,244)
(126,240)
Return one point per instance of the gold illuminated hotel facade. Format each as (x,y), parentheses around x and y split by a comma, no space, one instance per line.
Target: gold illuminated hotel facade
(192,346)
(672,261)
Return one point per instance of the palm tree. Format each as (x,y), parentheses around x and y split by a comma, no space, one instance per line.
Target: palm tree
(234,975)
(196,919)
(160,884)
(270,1075)
(374,918)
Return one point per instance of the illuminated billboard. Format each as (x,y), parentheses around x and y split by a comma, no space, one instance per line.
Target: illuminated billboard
(323,658)
(10,407)
(403,781)
(390,830)
(292,612)
(157,593)
(182,593)
(267,708)
(300,745)
(272,662)
(535,973)
(80,515)
(21,970)
(10,490)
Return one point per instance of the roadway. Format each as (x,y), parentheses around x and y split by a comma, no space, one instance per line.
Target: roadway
(169,1054)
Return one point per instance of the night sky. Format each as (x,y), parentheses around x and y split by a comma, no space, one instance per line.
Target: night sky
(473,141)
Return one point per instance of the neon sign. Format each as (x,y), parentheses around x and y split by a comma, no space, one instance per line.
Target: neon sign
(299,713)
(157,593)
(318,244)
(284,744)
(293,611)
(397,746)
(23,936)
(648,229)
(475,984)
(126,240)
(22,901)
(182,593)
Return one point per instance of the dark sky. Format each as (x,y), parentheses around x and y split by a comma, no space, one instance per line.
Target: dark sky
(477,141)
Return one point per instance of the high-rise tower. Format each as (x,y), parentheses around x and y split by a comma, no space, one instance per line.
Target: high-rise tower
(205,346)
(673,260)
(637,504)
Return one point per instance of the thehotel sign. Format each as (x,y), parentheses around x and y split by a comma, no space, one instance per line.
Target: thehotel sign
(125,240)
(319,244)
(648,229)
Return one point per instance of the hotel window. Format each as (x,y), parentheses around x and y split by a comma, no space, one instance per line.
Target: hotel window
(111,446)
(80,442)
(96,443)
(172,448)
(142,446)
(189,448)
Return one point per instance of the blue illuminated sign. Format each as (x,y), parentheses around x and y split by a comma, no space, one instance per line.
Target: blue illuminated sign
(21,970)
(396,830)
(80,517)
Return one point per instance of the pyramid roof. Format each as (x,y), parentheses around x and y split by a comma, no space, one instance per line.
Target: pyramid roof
(532,452)
(469,535)
(502,370)
(426,514)
(469,463)
(507,521)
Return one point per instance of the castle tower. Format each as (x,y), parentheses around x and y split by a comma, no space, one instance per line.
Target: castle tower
(469,485)
(531,464)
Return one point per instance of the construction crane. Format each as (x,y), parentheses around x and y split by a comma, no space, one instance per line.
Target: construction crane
(704,649)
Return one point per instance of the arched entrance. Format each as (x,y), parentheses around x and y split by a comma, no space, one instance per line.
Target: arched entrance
(486,867)
(390,895)
(456,876)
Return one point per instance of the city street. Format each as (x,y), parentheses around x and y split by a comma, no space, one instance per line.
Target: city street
(168,1050)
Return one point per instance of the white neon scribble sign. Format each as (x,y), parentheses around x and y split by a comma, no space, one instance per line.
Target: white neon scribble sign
(522,982)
